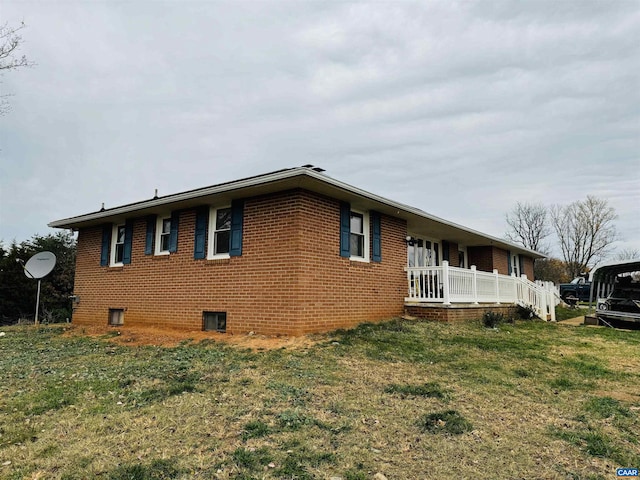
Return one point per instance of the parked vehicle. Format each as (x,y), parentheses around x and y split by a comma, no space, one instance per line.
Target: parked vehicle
(578,289)
(623,303)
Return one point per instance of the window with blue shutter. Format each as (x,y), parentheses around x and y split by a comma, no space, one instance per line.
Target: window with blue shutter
(200,239)
(345,229)
(173,235)
(128,241)
(376,255)
(235,241)
(106,243)
(151,233)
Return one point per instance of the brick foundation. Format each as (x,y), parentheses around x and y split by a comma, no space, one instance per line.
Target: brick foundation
(456,313)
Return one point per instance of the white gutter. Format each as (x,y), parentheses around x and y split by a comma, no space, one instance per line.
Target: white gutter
(271,178)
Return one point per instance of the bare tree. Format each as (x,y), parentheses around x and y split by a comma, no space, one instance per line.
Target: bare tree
(627,254)
(585,231)
(528,222)
(10,41)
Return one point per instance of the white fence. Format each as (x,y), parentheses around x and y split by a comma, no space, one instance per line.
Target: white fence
(447,285)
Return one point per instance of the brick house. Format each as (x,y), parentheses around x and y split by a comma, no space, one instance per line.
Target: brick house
(288,252)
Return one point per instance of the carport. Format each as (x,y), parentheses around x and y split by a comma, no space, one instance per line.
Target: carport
(603,277)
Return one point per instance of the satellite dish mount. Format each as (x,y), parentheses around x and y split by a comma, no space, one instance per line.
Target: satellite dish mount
(37,267)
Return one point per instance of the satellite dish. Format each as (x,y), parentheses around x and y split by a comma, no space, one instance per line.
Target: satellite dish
(40,265)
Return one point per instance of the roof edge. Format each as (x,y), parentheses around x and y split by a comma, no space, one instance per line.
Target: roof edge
(270,178)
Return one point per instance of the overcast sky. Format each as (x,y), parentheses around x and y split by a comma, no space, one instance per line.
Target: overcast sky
(461,109)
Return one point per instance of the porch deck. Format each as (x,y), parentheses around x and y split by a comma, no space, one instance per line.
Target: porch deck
(469,292)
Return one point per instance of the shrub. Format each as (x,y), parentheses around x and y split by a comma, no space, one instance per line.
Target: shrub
(525,312)
(492,319)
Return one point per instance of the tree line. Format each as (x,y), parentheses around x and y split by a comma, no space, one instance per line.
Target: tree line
(18,292)
(584,233)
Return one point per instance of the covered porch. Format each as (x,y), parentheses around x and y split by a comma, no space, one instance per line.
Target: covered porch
(447,293)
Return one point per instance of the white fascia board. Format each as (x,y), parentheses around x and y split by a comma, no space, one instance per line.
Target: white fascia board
(176,198)
(421,213)
(263,180)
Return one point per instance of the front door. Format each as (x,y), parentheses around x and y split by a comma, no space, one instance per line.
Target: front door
(422,253)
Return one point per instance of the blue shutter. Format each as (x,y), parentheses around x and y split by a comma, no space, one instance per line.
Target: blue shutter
(106,243)
(345,229)
(509,261)
(235,239)
(445,250)
(173,234)
(128,240)
(151,233)
(200,238)
(436,252)
(376,241)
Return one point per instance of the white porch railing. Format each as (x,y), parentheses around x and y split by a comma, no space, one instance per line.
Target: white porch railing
(447,285)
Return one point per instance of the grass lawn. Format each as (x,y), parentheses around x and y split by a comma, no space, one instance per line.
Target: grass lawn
(410,400)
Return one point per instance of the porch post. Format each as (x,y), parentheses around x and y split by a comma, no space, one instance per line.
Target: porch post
(475,284)
(445,282)
(495,273)
(514,280)
(551,299)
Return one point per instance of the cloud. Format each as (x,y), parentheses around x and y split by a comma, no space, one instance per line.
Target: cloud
(459,108)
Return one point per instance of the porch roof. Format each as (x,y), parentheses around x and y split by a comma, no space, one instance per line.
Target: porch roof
(418,221)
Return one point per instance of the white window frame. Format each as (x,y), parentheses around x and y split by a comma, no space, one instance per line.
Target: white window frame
(114,242)
(157,244)
(213,215)
(515,264)
(366,234)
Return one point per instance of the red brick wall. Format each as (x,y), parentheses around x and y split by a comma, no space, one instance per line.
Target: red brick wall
(500,260)
(290,278)
(489,258)
(528,267)
(481,257)
(457,313)
(454,259)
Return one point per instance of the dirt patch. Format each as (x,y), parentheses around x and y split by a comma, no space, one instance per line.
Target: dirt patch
(171,337)
(572,321)
(622,396)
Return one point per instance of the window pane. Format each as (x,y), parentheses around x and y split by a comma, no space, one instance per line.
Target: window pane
(119,252)
(164,243)
(166,225)
(356,245)
(356,223)
(222,322)
(116,316)
(214,321)
(120,234)
(223,219)
(222,242)
(420,252)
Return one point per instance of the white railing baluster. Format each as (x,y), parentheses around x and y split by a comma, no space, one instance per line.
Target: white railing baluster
(445,282)
(447,285)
